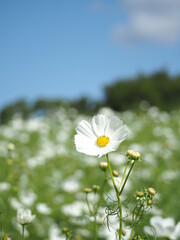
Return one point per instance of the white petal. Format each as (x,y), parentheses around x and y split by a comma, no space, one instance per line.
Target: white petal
(104,151)
(85,128)
(86,145)
(149,230)
(100,154)
(112,125)
(89,151)
(99,123)
(27,212)
(113,145)
(82,140)
(120,134)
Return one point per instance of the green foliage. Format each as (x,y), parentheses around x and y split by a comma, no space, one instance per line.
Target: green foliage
(44,106)
(20,107)
(158,89)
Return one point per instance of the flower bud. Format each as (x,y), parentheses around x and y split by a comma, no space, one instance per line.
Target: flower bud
(87,190)
(151,191)
(11,147)
(129,153)
(96,188)
(123,232)
(140,194)
(64,230)
(115,173)
(133,155)
(136,156)
(68,234)
(5,236)
(103,166)
(138,238)
(149,202)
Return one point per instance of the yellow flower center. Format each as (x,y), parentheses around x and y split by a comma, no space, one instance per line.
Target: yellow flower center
(102,141)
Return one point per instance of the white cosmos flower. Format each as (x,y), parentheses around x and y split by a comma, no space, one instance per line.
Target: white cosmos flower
(25,216)
(163,228)
(102,136)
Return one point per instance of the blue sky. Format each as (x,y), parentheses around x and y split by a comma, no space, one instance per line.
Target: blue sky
(67,48)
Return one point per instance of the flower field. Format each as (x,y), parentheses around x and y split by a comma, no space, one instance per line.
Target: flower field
(46,174)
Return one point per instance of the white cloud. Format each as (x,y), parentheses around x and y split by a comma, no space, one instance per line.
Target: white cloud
(149,20)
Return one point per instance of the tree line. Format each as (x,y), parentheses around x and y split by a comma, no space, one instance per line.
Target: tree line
(158,89)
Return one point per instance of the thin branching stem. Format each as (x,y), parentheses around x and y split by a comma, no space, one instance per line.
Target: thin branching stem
(110,170)
(95,227)
(118,198)
(135,221)
(94,214)
(120,216)
(122,188)
(124,174)
(96,209)
(90,211)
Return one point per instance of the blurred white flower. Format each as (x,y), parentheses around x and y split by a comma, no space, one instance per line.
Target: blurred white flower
(25,216)
(163,227)
(100,137)
(54,233)
(75,209)
(4,186)
(43,208)
(27,197)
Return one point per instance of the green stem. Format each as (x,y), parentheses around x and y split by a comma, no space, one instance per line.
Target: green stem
(23,238)
(95,227)
(122,188)
(110,170)
(96,209)
(120,216)
(94,215)
(124,174)
(91,213)
(118,198)
(132,230)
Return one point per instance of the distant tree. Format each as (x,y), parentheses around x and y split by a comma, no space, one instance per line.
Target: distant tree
(20,107)
(159,89)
